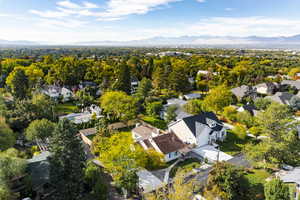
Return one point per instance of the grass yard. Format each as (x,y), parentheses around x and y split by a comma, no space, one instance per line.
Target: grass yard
(233,144)
(156,122)
(256,179)
(185,166)
(66,108)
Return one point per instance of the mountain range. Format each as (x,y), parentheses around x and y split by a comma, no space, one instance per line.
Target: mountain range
(226,41)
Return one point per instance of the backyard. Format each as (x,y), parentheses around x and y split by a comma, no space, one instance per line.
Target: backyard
(233,145)
(66,108)
(185,166)
(156,122)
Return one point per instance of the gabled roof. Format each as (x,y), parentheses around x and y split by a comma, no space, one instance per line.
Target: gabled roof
(292,176)
(168,143)
(242,91)
(89,131)
(203,118)
(295,84)
(267,85)
(281,97)
(145,131)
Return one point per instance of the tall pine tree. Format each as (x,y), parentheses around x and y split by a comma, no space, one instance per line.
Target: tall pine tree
(67,162)
(123,79)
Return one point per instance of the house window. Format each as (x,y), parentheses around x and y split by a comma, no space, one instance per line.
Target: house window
(211,123)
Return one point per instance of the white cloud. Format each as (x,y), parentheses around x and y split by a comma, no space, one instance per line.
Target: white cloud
(68,4)
(113,10)
(201,1)
(90,5)
(120,8)
(261,26)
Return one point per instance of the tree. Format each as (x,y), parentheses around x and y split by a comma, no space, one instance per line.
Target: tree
(7,136)
(171,113)
(245,118)
(93,178)
(217,99)
(119,105)
(144,88)
(84,98)
(276,189)
(181,189)
(282,144)
(292,73)
(18,83)
(123,79)
(262,103)
(122,158)
(154,108)
(10,167)
(66,161)
(240,131)
(230,113)
(193,107)
(39,129)
(224,182)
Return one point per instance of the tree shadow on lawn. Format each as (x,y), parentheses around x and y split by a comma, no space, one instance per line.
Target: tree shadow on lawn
(233,144)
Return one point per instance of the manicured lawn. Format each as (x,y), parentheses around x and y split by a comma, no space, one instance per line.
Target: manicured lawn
(233,144)
(156,122)
(256,179)
(185,166)
(66,108)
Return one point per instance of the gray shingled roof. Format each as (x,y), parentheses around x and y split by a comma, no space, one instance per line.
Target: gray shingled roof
(281,97)
(292,176)
(241,91)
(295,84)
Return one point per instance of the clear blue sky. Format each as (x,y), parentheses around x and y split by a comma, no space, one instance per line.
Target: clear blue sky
(63,21)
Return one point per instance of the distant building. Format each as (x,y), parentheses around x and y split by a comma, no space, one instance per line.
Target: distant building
(266,88)
(134,84)
(244,91)
(83,117)
(179,103)
(281,98)
(291,83)
(192,96)
(292,177)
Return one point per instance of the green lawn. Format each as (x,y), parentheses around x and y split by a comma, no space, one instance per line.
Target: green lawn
(185,166)
(256,179)
(233,144)
(156,122)
(66,108)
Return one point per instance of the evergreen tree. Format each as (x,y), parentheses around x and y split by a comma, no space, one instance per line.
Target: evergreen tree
(276,189)
(66,162)
(144,88)
(123,79)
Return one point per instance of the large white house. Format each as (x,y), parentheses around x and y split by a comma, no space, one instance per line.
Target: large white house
(199,130)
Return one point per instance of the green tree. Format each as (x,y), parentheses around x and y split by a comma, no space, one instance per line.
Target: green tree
(84,98)
(94,179)
(119,105)
(245,118)
(193,107)
(171,113)
(123,79)
(154,108)
(144,88)
(18,83)
(225,182)
(262,103)
(276,189)
(230,113)
(7,136)
(217,99)
(39,129)
(67,161)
